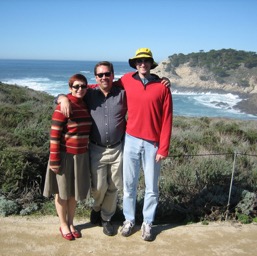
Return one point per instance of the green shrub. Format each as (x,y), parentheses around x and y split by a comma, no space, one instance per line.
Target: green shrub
(246,204)
(32,137)
(8,207)
(204,78)
(243,218)
(251,136)
(48,207)
(31,208)
(20,169)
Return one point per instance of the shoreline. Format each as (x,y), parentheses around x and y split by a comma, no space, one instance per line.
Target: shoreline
(247,105)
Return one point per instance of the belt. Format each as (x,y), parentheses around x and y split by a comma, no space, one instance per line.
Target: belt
(106,146)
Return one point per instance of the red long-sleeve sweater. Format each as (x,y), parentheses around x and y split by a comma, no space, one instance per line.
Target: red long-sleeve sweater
(69,134)
(149,110)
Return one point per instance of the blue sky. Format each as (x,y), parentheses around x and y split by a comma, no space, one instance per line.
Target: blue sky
(113,29)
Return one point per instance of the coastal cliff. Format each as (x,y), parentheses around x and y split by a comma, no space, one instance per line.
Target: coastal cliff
(225,70)
(185,76)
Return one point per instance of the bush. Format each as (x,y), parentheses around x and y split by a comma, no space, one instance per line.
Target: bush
(21,170)
(8,207)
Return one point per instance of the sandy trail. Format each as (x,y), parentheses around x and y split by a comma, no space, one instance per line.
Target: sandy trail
(40,236)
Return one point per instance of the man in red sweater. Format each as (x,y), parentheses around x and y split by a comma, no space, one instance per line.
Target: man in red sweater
(147,138)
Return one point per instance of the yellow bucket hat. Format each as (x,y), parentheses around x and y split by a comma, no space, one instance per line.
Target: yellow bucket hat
(142,53)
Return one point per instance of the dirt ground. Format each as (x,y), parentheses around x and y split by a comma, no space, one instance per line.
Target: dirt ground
(40,236)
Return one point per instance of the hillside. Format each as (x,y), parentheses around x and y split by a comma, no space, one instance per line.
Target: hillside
(25,117)
(223,70)
(195,178)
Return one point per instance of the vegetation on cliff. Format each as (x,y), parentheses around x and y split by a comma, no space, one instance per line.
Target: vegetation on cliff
(195,179)
(218,61)
(25,117)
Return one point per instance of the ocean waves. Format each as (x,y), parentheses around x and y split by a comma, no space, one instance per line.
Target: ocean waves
(52,77)
(208,104)
(40,84)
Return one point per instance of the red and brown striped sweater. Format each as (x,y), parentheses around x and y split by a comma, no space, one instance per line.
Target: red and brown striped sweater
(71,134)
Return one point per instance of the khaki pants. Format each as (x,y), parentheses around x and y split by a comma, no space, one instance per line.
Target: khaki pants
(106,178)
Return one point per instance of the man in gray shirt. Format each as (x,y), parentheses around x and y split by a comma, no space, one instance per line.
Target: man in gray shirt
(108,107)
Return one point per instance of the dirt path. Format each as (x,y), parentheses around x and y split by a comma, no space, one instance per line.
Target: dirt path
(40,236)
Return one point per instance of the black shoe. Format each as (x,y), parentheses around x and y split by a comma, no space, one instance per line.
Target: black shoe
(107,228)
(95,217)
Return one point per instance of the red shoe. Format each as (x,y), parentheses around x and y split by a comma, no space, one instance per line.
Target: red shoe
(76,234)
(68,236)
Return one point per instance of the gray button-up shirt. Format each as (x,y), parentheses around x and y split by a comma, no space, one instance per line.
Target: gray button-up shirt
(108,114)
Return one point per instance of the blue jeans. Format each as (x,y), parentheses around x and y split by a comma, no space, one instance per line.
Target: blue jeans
(136,152)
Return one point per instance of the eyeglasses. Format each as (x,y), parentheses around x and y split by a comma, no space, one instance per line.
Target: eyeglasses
(82,86)
(140,61)
(107,74)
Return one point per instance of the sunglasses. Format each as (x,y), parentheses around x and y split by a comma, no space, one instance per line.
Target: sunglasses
(82,86)
(140,61)
(107,74)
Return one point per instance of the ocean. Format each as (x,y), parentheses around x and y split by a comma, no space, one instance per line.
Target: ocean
(52,76)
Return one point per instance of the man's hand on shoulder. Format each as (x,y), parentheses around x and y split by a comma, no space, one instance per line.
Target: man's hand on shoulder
(65,105)
(165,81)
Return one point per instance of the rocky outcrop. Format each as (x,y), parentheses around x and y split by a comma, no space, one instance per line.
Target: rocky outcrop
(240,80)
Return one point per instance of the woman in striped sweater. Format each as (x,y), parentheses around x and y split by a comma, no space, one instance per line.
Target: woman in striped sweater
(68,175)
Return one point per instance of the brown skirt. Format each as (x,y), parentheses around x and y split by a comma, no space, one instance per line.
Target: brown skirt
(73,180)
